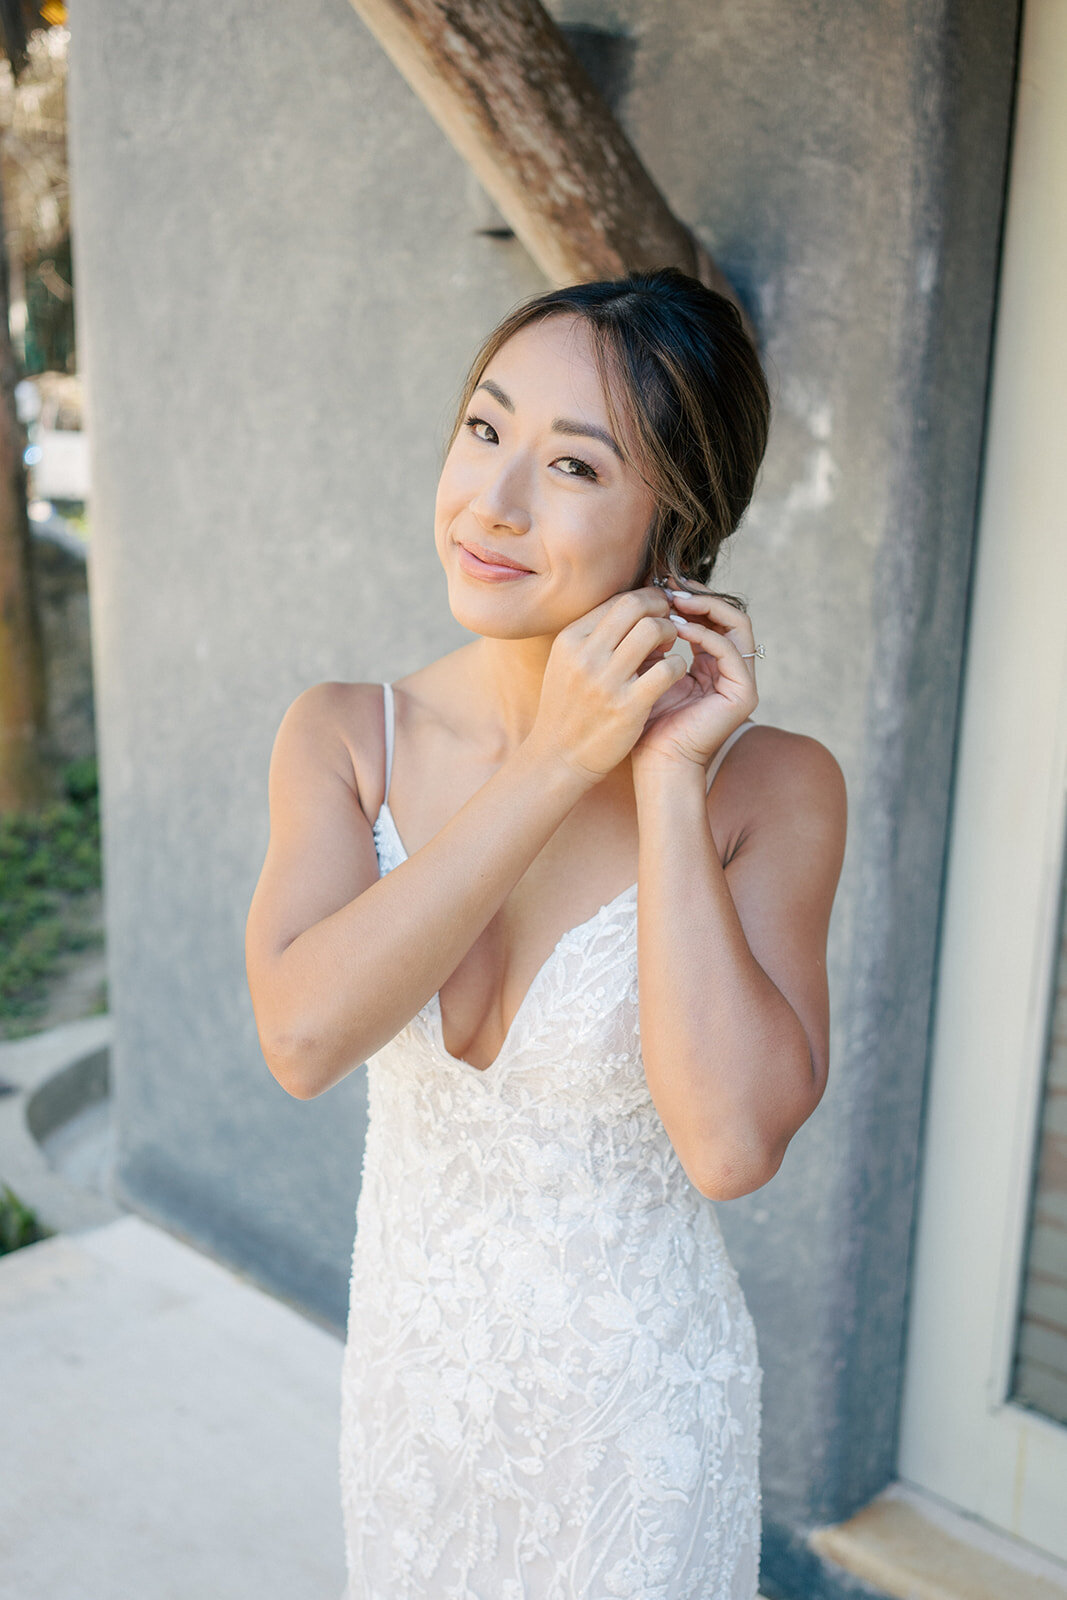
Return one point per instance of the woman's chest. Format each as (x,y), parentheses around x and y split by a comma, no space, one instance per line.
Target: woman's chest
(563,920)
(542,947)
(580,1005)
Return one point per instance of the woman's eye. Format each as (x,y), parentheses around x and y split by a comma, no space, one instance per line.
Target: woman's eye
(474,423)
(585,470)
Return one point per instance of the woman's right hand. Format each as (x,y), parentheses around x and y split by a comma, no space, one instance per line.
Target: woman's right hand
(600,684)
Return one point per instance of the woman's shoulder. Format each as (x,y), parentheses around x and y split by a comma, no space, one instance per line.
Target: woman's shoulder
(338,707)
(772,766)
(345,722)
(351,716)
(785,744)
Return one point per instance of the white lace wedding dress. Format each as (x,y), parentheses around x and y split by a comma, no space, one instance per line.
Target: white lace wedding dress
(551,1386)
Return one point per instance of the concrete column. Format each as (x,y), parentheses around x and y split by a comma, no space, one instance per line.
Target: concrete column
(280,280)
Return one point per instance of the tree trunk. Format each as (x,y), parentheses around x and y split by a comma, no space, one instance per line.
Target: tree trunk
(24,778)
(509,92)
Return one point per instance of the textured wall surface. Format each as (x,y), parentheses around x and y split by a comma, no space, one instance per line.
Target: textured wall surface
(281,276)
(61,580)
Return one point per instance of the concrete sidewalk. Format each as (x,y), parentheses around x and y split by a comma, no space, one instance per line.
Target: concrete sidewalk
(167,1429)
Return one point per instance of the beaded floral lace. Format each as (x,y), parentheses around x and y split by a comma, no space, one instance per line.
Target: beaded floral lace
(551,1386)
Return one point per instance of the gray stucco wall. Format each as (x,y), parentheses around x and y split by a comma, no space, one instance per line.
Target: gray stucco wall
(280,281)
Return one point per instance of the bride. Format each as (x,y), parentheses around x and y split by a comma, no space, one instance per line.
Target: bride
(587,980)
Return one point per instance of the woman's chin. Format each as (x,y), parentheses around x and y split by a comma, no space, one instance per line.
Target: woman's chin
(491,618)
(480,620)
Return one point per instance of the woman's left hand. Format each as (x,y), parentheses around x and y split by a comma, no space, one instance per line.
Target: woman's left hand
(692,718)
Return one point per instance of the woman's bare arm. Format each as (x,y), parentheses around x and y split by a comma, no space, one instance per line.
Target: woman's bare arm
(338,960)
(735,1005)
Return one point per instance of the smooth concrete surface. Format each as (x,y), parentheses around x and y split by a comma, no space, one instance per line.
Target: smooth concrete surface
(168,1429)
(281,277)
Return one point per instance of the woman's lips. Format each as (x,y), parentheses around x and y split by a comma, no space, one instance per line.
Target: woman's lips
(489,572)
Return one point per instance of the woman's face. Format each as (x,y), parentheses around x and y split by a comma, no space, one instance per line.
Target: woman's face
(533,476)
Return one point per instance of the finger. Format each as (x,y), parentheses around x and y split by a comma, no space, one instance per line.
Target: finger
(614,617)
(728,656)
(648,634)
(712,605)
(699,593)
(658,679)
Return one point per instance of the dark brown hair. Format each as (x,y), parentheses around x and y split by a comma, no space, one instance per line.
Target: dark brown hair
(693,408)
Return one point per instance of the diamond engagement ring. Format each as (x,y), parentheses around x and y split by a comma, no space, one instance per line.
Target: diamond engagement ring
(759,651)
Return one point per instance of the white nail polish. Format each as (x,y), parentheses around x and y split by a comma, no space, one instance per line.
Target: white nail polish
(676,618)
(680,594)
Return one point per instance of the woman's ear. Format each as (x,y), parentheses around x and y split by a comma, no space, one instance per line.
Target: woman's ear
(648,571)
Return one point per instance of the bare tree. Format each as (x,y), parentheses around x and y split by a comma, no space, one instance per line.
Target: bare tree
(510,93)
(25,778)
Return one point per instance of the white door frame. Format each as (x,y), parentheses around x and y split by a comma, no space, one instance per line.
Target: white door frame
(961,1437)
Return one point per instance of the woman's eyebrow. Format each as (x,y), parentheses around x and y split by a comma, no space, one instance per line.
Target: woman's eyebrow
(586,430)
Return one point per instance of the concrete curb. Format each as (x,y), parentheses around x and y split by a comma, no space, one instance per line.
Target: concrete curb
(53,1074)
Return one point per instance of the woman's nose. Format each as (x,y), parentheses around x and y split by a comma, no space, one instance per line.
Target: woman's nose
(501,502)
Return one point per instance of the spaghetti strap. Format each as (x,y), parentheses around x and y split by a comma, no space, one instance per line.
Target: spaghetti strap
(387,695)
(720,754)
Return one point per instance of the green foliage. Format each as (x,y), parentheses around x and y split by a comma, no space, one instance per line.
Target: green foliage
(80,780)
(48,859)
(18,1223)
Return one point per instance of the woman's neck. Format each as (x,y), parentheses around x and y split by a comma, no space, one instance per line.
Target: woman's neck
(506,675)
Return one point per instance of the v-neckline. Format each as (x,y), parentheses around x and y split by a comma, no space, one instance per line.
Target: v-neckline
(568,933)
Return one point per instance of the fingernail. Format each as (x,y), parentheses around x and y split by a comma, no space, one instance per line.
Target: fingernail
(681,594)
(676,618)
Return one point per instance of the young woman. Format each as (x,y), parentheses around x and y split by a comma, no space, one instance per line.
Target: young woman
(589,985)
